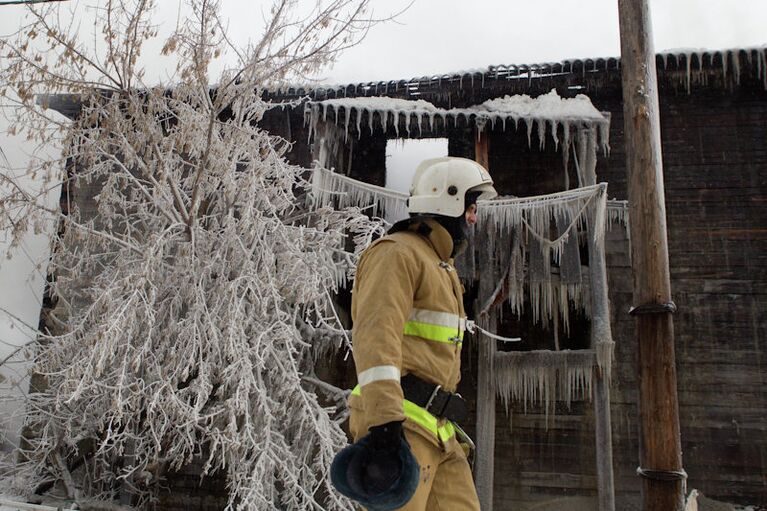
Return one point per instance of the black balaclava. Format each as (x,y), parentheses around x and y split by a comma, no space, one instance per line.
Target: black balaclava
(457,226)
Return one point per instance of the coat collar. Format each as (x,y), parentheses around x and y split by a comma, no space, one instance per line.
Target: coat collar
(437,235)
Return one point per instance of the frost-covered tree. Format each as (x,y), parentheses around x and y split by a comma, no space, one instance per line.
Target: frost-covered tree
(193,298)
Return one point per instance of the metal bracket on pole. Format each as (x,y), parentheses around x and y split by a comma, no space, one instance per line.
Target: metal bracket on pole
(662,475)
(653,308)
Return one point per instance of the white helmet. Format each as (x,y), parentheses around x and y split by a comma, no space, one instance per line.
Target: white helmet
(440,185)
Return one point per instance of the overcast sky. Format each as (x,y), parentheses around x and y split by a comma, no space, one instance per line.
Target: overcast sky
(431,37)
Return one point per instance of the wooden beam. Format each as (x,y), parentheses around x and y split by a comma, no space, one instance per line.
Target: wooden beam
(601,333)
(482,147)
(660,454)
(484,465)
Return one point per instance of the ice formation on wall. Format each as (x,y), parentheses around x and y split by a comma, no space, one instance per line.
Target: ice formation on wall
(545,225)
(332,189)
(617,213)
(729,60)
(532,242)
(543,377)
(547,111)
(546,114)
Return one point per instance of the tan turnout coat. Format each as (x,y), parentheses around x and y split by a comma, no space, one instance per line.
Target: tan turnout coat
(407,309)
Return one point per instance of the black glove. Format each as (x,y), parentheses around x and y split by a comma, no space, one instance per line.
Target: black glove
(385,465)
(379,465)
(386,437)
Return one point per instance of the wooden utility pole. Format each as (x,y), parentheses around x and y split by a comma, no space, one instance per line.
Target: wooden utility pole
(660,453)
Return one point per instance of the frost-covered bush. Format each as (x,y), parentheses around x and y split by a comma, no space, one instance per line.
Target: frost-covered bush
(192,296)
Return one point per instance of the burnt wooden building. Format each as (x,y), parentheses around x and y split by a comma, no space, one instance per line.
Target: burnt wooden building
(714,135)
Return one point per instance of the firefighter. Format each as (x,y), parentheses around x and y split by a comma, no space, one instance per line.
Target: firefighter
(408,326)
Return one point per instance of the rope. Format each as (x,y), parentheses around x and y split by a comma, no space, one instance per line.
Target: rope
(471,326)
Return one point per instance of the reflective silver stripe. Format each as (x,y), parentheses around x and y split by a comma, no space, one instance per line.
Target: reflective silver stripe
(378,373)
(445,319)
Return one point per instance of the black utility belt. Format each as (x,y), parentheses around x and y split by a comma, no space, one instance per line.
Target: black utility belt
(431,397)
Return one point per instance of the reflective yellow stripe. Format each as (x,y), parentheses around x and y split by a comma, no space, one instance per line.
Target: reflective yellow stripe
(447,319)
(433,332)
(421,417)
(435,325)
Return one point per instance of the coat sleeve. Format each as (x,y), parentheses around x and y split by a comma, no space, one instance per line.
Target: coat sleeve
(382,301)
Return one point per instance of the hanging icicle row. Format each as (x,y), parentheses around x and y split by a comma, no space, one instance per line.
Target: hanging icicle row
(543,377)
(617,213)
(566,214)
(543,114)
(332,189)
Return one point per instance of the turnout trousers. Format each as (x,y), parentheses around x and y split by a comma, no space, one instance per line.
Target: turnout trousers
(445,483)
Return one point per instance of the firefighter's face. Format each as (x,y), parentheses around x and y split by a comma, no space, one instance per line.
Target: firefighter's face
(471,215)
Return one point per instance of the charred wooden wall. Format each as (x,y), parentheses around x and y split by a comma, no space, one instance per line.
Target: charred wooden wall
(715,177)
(715,170)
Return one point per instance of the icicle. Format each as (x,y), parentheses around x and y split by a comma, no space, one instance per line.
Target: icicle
(687,80)
(761,55)
(541,133)
(605,350)
(358,118)
(604,137)
(419,115)
(566,152)
(453,116)
(554,133)
(664,56)
(529,123)
(383,119)
(600,205)
(736,66)
(617,213)
(310,113)
(347,114)
(370,119)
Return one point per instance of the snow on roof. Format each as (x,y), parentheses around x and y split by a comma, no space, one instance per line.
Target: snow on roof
(381,103)
(549,106)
